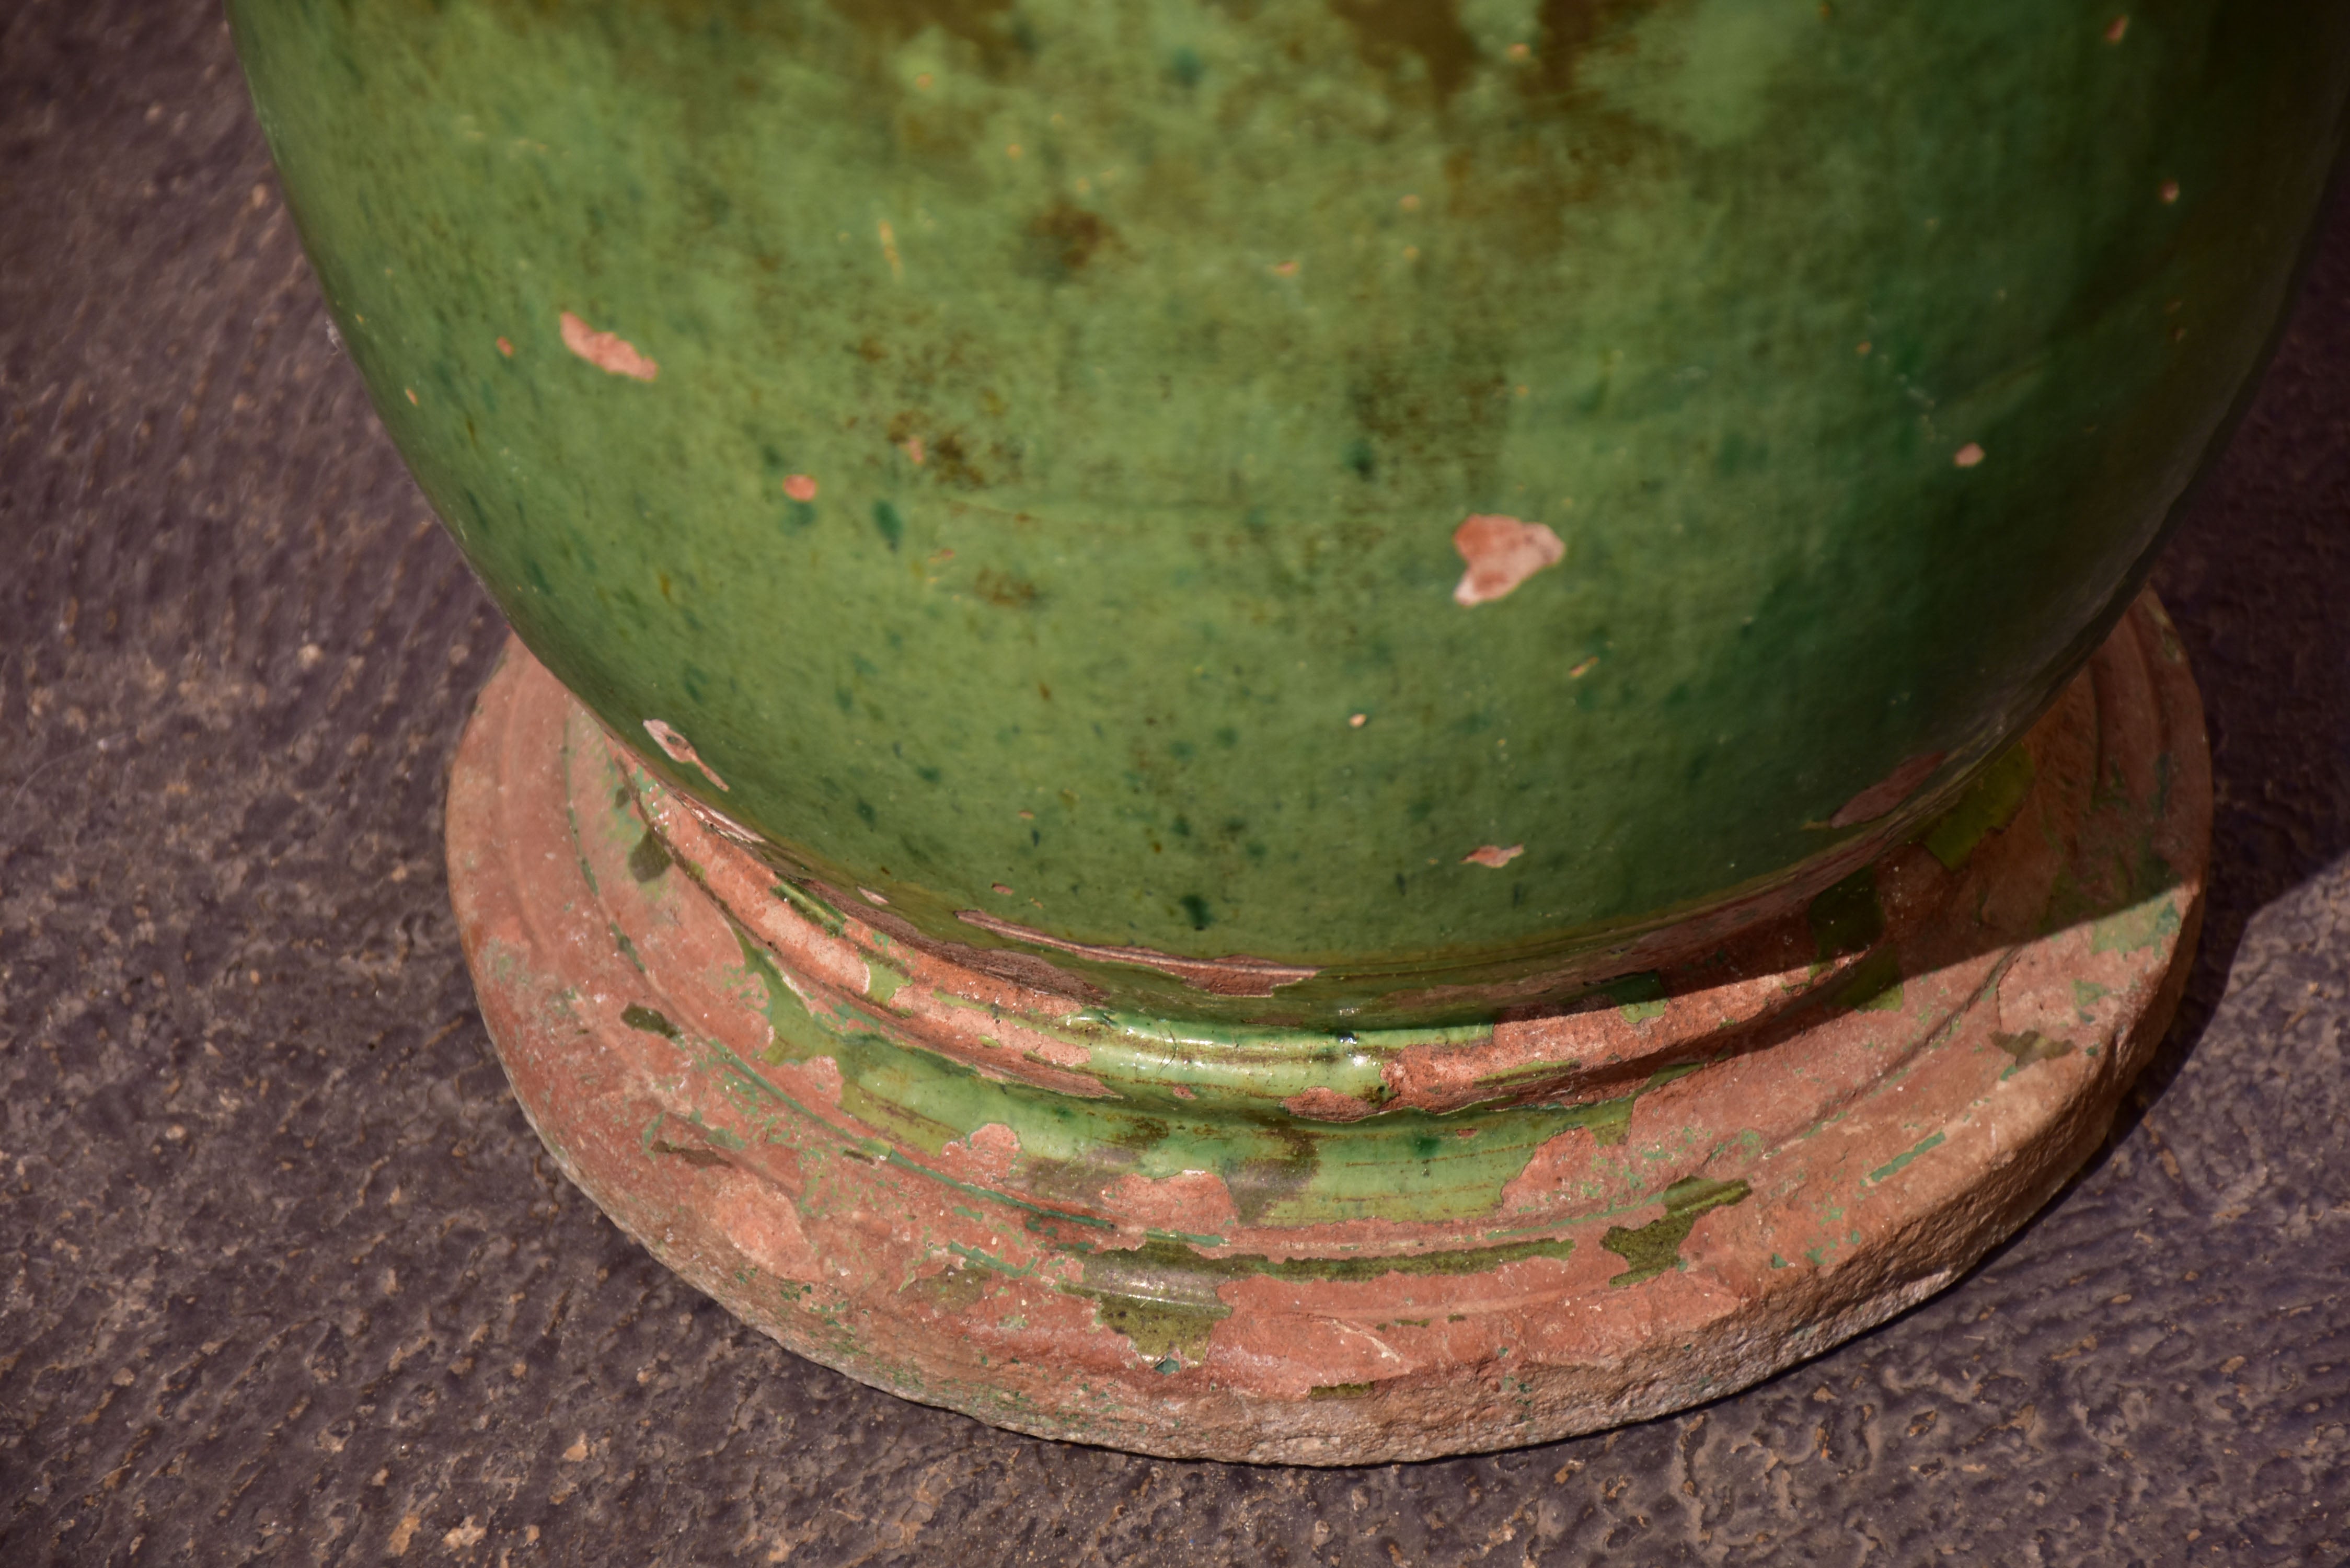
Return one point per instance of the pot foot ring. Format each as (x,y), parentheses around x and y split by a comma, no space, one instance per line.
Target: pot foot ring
(1276,1246)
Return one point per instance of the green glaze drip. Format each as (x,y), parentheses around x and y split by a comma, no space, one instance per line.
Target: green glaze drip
(1655,1247)
(2029,1047)
(1846,919)
(1162,1294)
(1987,807)
(2138,927)
(649,858)
(1400,1165)
(1638,997)
(1874,985)
(812,908)
(1900,1161)
(636,1015)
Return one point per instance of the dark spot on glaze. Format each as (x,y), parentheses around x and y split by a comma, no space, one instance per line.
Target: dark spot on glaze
(1003,589)
(888,523)
(698,1158)
(1063,240)
(1197,909)
(649,858)
(636,1015)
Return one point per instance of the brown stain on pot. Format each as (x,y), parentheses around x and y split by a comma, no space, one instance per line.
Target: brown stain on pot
(1062,241)
(1386,32)
(975,22)
(1569,28)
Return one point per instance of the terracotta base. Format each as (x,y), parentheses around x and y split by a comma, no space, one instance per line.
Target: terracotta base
(1280,1246)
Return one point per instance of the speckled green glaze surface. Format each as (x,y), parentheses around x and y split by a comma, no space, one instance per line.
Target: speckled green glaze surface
(1043,499)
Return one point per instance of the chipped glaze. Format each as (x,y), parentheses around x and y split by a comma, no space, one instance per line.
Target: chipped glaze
(1163,364)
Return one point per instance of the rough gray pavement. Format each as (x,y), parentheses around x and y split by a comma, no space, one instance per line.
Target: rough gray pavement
(284,1276)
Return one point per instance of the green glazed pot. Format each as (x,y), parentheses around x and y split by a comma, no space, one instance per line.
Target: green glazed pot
(1306,510)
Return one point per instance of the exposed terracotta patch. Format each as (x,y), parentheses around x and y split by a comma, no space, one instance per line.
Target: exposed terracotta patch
(1196,1202)
(680,749)
(823,1072)
(1888,792)
(764,1224)
(2118,31)
(1322,1103)
(607,350)
(870,897)
(1236,974)
(1501,553)
(505,348)
(1968,455)
(1493,854)
(989,1151)
(800,487)
(2170,192)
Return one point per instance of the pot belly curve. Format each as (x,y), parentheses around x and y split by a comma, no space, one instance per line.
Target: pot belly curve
(1312,511)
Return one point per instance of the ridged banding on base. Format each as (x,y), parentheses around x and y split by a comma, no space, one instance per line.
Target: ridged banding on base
(1268,1244)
